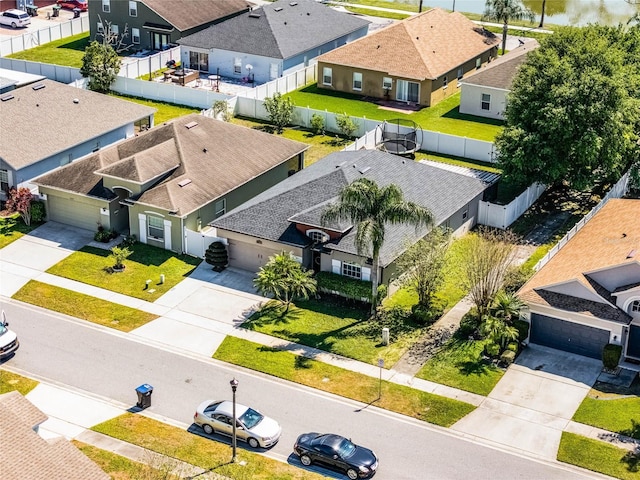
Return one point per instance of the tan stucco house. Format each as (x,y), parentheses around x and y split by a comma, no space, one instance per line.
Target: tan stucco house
(170,180)
(419,60)
(588,294)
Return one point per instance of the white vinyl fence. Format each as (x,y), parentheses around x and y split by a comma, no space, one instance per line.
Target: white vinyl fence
(134,67)
(617,191)
(283,85)
(501,216)
(58,73)
(55,31)
(198,242)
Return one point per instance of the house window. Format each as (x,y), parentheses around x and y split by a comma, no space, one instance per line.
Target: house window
(100,28)
(357,81)
(317,236)
(478,62)
(486,101)
(65,159)
(460,73)
(327,76)
(387,83)
(635,306)
(445,82)
(352,270)
(465,214)
(220,207)
(237,66)
(115,30)
(133,9)
(135,35)
(106,6)
(4,180)
(155,227)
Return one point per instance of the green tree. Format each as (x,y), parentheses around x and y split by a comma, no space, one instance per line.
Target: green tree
(370,208)
(346,125)
(506,306)
(119,255)
(504,11)
(280,110)
(573,111)
(285,279)
(222,111)
(101,64)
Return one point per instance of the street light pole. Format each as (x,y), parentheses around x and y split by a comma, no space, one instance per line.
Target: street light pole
(234,386)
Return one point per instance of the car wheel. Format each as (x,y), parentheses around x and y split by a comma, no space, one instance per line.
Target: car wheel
(352,474)
(13,25)
(208,429)
(305,460)
(253,443)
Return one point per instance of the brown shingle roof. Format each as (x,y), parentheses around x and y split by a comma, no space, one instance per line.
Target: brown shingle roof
(192,13)
(420,47)
(604,241)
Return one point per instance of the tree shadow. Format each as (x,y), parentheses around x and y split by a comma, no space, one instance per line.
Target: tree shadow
(454,114)
(271,313)
(79,45)
(632,461)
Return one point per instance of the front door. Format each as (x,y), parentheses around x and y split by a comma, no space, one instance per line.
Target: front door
(159,41)
(407,91)
(633,342)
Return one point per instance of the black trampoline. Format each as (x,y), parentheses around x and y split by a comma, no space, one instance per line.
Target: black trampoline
(399,136)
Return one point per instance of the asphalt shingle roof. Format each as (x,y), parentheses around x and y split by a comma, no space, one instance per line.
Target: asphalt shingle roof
(304,195)
(184,15)
(280,29)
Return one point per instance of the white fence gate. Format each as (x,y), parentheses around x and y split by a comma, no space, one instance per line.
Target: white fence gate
(196,243)
(501,216)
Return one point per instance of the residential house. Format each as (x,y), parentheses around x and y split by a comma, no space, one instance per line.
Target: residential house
(484,93)
(420,60)
(270,41)
(588,294)
(156,24)
(170,180)
(25,454)
(48,124)
(288,215)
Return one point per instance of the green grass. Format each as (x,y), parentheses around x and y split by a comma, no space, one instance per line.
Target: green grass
(197,450)
(458,161)
(598,456)
(378,13)
(67,51)
(166,111)
(83,306)
(362,388)
(615,413)
(460,365)
(12,381)
(334,327)
(89,265)
(12,228)
(442,117)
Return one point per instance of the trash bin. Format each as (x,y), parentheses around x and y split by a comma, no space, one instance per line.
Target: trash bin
(32,10)
(76,12)
(144,392)
(56,10)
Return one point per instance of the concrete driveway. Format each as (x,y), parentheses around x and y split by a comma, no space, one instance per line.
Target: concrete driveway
(533,402)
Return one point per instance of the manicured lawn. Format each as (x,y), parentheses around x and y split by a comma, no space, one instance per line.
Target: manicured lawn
(12,228)
(460,365)
(89,265)
(598,456)
(83,306)
(334,327)
(378,13)
(12,381)
(66,51)
(197,450)
(615,413)
(397,398)
(442,117)
(166,111)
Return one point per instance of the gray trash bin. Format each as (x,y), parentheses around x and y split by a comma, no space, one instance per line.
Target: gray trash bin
(76,12)
(144,392)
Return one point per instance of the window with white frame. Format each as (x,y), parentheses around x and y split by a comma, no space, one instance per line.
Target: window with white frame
(237,66)
(155,227)
(106,6)
(115,30)
(387,83)
(460,73)
(220,207)
(478,62)
(486,101)
(133,9)
(4,180)
(317,236)
(357,81)
(100,28)
(445,82)
(135,35)
(352,270)
(327,76)
(635,306)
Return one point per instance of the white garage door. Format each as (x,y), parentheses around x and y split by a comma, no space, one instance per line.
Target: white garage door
(73,212)
(248,256)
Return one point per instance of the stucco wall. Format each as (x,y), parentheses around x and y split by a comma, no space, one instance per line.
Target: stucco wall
(471,101)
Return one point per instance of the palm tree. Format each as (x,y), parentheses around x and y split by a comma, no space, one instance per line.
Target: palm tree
(504,11)
(370,207)
(506,306)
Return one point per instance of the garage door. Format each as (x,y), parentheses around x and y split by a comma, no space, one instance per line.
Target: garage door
(248,256)
(73,212)
(568,336)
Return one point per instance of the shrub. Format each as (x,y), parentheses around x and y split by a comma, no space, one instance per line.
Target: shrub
(128,241)
(468,324)
(507,357)
(381,293)
(119,255)
(523,329)
(344,286)
(611,355)
(216,255)
(102,236)
(346,125)
(38,212)
(424,315)
(492,349)
(513,346)
(515,278)
(394,318)
(317,124)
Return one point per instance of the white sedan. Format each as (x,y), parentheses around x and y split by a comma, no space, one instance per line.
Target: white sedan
(251,426)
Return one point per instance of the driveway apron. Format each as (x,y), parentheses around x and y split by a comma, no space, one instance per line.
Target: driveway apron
(534,401)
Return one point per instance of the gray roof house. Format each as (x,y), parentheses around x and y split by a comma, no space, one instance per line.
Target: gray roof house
(274,40)
(287,216)
(48,124)
(25,454)
(170,180)
(484,93)
(155,24)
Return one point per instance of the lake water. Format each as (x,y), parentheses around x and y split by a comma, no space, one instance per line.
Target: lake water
(559,12)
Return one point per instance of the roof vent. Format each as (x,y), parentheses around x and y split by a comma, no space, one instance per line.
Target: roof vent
(364,170)
(254,15)
(38,86)
(293,4)
(278,9)
(6,97)
(184,182)
(632,254)
(75,100)
(190,125)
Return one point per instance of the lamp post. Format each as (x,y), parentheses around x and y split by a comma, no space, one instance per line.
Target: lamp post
(234,386)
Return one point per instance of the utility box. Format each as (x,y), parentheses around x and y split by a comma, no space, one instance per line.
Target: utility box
(144,392)
(385,336)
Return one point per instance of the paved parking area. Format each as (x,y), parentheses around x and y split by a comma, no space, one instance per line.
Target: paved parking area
(39,22)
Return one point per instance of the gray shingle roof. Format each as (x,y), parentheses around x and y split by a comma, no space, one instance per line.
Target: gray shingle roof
(303,196)
(281,29)
(192,13)
(36,124)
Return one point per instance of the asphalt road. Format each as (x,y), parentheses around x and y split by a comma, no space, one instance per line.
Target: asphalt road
(111,364)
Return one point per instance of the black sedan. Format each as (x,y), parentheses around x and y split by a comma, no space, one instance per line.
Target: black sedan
(337,453)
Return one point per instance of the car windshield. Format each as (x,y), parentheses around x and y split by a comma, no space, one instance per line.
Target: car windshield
(3,329)
(251,418)
(346,448)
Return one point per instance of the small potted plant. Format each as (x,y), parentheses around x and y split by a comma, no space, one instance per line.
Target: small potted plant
(119,255)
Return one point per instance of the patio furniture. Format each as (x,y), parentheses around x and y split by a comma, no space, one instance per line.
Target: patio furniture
(216,79)
(183,77)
